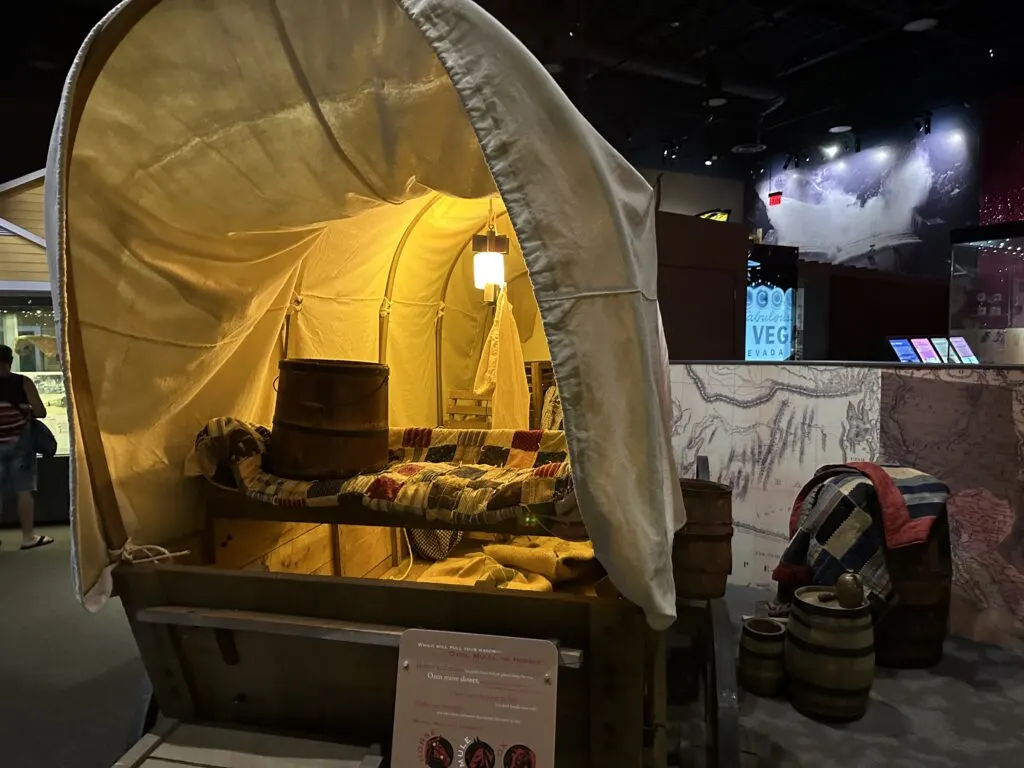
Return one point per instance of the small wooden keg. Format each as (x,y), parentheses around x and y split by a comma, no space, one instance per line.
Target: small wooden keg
(762,648)
(702,550)
(331,419)
(912,632)
(830,656)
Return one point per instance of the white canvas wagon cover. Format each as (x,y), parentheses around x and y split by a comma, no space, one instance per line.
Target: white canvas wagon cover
(216,164)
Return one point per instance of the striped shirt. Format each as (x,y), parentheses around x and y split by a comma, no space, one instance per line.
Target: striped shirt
(12,418)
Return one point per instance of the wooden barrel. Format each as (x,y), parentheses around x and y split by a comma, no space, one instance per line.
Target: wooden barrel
(331,419)
(702,550)
(911,633)
(762,648)
(830,656)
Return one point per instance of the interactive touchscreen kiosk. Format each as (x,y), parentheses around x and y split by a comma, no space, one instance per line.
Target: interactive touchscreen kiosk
(904,350)
(964,350)
(926,351)
(946,352)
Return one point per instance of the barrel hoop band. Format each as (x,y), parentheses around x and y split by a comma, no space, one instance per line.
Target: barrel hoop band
(744,650)
(839,630)
(832,613)
(825,650)
(330,431)
(794,682)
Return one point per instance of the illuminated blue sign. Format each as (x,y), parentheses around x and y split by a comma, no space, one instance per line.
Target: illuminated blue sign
(769,322)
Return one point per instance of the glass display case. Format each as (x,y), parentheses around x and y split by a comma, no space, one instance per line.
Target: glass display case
(986,301)
(27,326)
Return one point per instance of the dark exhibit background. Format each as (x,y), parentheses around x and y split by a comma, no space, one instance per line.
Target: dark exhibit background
(890,205)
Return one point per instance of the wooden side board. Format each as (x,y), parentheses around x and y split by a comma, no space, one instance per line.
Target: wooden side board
(313,548)
(365,550)
(311,682)
(174,745)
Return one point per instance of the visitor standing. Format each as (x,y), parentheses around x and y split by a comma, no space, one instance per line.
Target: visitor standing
(19,404)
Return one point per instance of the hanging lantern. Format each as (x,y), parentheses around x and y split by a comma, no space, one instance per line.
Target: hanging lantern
(488,269)
(489,259)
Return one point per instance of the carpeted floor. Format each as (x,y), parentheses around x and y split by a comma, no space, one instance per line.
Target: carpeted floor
(70,681)
(968,711)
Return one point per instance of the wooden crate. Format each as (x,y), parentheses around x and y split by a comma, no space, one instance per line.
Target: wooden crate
(539,377)
(468,410)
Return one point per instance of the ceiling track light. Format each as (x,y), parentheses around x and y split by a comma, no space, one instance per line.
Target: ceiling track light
(921,25)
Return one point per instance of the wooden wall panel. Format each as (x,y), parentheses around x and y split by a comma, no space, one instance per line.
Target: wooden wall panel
(20,259)
(702,277)
(25,206)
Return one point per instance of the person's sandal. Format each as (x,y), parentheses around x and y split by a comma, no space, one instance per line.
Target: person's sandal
(41,541)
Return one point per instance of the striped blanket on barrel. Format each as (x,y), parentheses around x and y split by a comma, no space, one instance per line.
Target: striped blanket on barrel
(848,515)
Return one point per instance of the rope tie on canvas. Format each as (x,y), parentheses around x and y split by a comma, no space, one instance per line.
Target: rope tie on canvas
(295,306)
(385,307)
(147,553)
(440,313)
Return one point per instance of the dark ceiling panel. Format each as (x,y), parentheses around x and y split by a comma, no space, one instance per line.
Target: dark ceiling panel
(643,70)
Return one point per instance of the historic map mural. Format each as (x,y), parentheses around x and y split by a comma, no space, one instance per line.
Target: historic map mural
(766,428)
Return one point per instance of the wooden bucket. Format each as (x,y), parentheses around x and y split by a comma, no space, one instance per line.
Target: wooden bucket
(702,550)
(762,648)
(331,419)
(911,633)
(830,656)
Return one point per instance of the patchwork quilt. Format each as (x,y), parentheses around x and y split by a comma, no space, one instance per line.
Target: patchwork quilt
(453,475)
(849,515)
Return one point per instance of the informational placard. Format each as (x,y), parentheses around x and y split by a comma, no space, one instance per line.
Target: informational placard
(474,701)
(926,351)
(964,350)
(904,350)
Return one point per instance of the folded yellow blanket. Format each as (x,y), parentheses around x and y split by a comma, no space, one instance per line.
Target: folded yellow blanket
(556,560)
(479,570)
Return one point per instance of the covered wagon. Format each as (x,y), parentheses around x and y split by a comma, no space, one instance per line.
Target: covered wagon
(237,183)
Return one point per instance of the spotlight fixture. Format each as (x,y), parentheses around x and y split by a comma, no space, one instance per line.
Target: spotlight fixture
(670,152)
(856,144)
(923,124)
(789,162)
(840,129)
(711,160)
(921,25)
(708,162)
(717,101)
(830,151)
